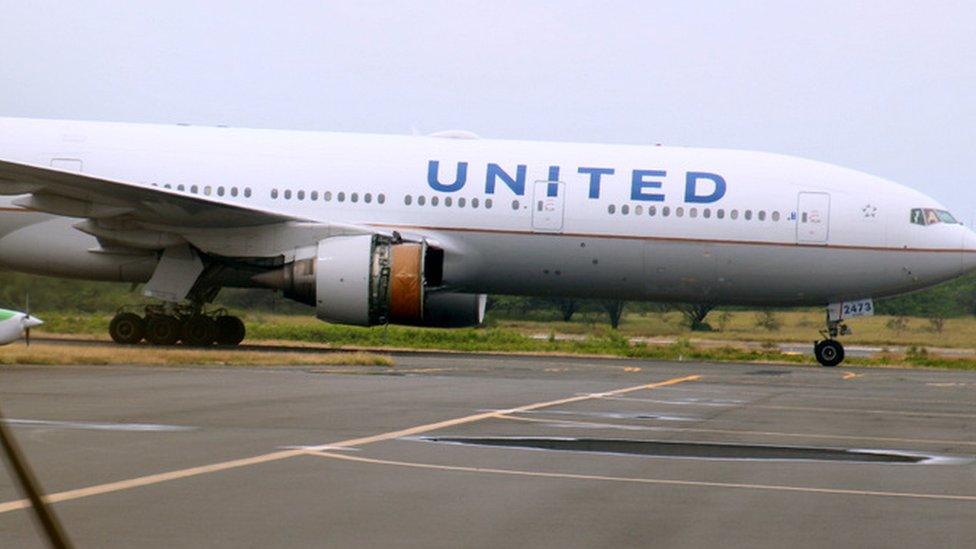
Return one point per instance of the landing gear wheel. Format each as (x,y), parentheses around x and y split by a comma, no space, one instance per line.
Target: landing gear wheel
(127,328)
(199,331)
(230,330)
(162,330)
(829,352)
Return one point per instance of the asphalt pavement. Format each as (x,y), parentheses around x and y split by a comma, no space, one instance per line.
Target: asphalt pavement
(477,451)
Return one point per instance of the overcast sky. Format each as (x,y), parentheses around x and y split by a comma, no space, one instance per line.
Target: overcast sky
(885,87)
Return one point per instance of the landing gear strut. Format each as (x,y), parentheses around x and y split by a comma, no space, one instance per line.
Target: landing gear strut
(170,324)
(828,351)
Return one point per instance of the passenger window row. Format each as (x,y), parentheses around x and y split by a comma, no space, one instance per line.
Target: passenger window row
(692,212)
(448,201)
(208,190)
(326,196)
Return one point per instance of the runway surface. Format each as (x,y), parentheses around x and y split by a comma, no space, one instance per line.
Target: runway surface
(428,454)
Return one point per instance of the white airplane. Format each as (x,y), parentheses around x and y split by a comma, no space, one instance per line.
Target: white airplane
(375,229)
(15,325)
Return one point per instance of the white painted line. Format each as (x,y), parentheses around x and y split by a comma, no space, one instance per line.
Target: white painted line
(94,426)
(660,481)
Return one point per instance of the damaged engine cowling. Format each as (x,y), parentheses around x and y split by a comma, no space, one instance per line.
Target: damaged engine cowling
(370,279)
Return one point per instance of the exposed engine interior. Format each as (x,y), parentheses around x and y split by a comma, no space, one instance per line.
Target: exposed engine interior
(372,279)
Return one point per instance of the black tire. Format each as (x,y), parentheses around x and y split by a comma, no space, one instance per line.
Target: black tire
(230,330)
(829,352)
(162,330)
(199,331)
(127,328)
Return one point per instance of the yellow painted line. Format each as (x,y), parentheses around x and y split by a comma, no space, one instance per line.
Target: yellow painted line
(285,454)
(632,369)
(496,413)
(851,375)
(151,479)
(660,481)
(569,422)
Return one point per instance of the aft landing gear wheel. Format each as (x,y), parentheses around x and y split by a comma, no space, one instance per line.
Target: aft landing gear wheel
(162,330)
(199,331)
(829,352)
(230,330)
(127,328)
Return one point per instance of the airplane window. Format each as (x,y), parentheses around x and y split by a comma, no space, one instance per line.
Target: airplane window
(421,200)
(206,190)
(167,185)
(407,199)
(638,209)
(341,197)
(679,211)
(381,198)
(931,216)
(247,192)
(354,197)
(233,191)
(693,212)
(434,200)
(720,213)
(474,202)
(946,217)
(610,209)
(274,193)
(327,196)
(734,214)
(775,216)
(748,215)
(762,215)
(515,204)
(665,211)
(287,194)
(652,211)
(461,202)
(313,196)
(220,191)
(625,209)
(367,198)
(489,203)
(706,213)
(448,201)
(301,195)
(194,189)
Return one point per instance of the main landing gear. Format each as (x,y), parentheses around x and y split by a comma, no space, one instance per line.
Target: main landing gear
(829,351)
(169,324)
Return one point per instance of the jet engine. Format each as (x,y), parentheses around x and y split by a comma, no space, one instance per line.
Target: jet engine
(372,279)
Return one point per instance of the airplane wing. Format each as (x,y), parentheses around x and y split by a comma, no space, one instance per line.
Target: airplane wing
(150,217)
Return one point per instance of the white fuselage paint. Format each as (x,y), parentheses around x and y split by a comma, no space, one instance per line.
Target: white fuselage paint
(13,325)
(865,245)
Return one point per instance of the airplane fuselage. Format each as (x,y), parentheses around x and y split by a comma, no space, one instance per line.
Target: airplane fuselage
(516,217)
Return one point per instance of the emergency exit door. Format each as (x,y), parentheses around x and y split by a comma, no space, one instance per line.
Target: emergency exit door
(813,218)
(548,203)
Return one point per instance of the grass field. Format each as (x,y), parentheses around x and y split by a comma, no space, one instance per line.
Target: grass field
(800,325)
(591,334)
(727,326)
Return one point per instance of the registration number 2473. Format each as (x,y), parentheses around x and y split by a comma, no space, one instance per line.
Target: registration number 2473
(850,309)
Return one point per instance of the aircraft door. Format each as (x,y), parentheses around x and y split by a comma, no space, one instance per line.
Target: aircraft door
(548,205)
(812,218)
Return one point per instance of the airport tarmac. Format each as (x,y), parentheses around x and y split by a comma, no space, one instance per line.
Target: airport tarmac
(477,451)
